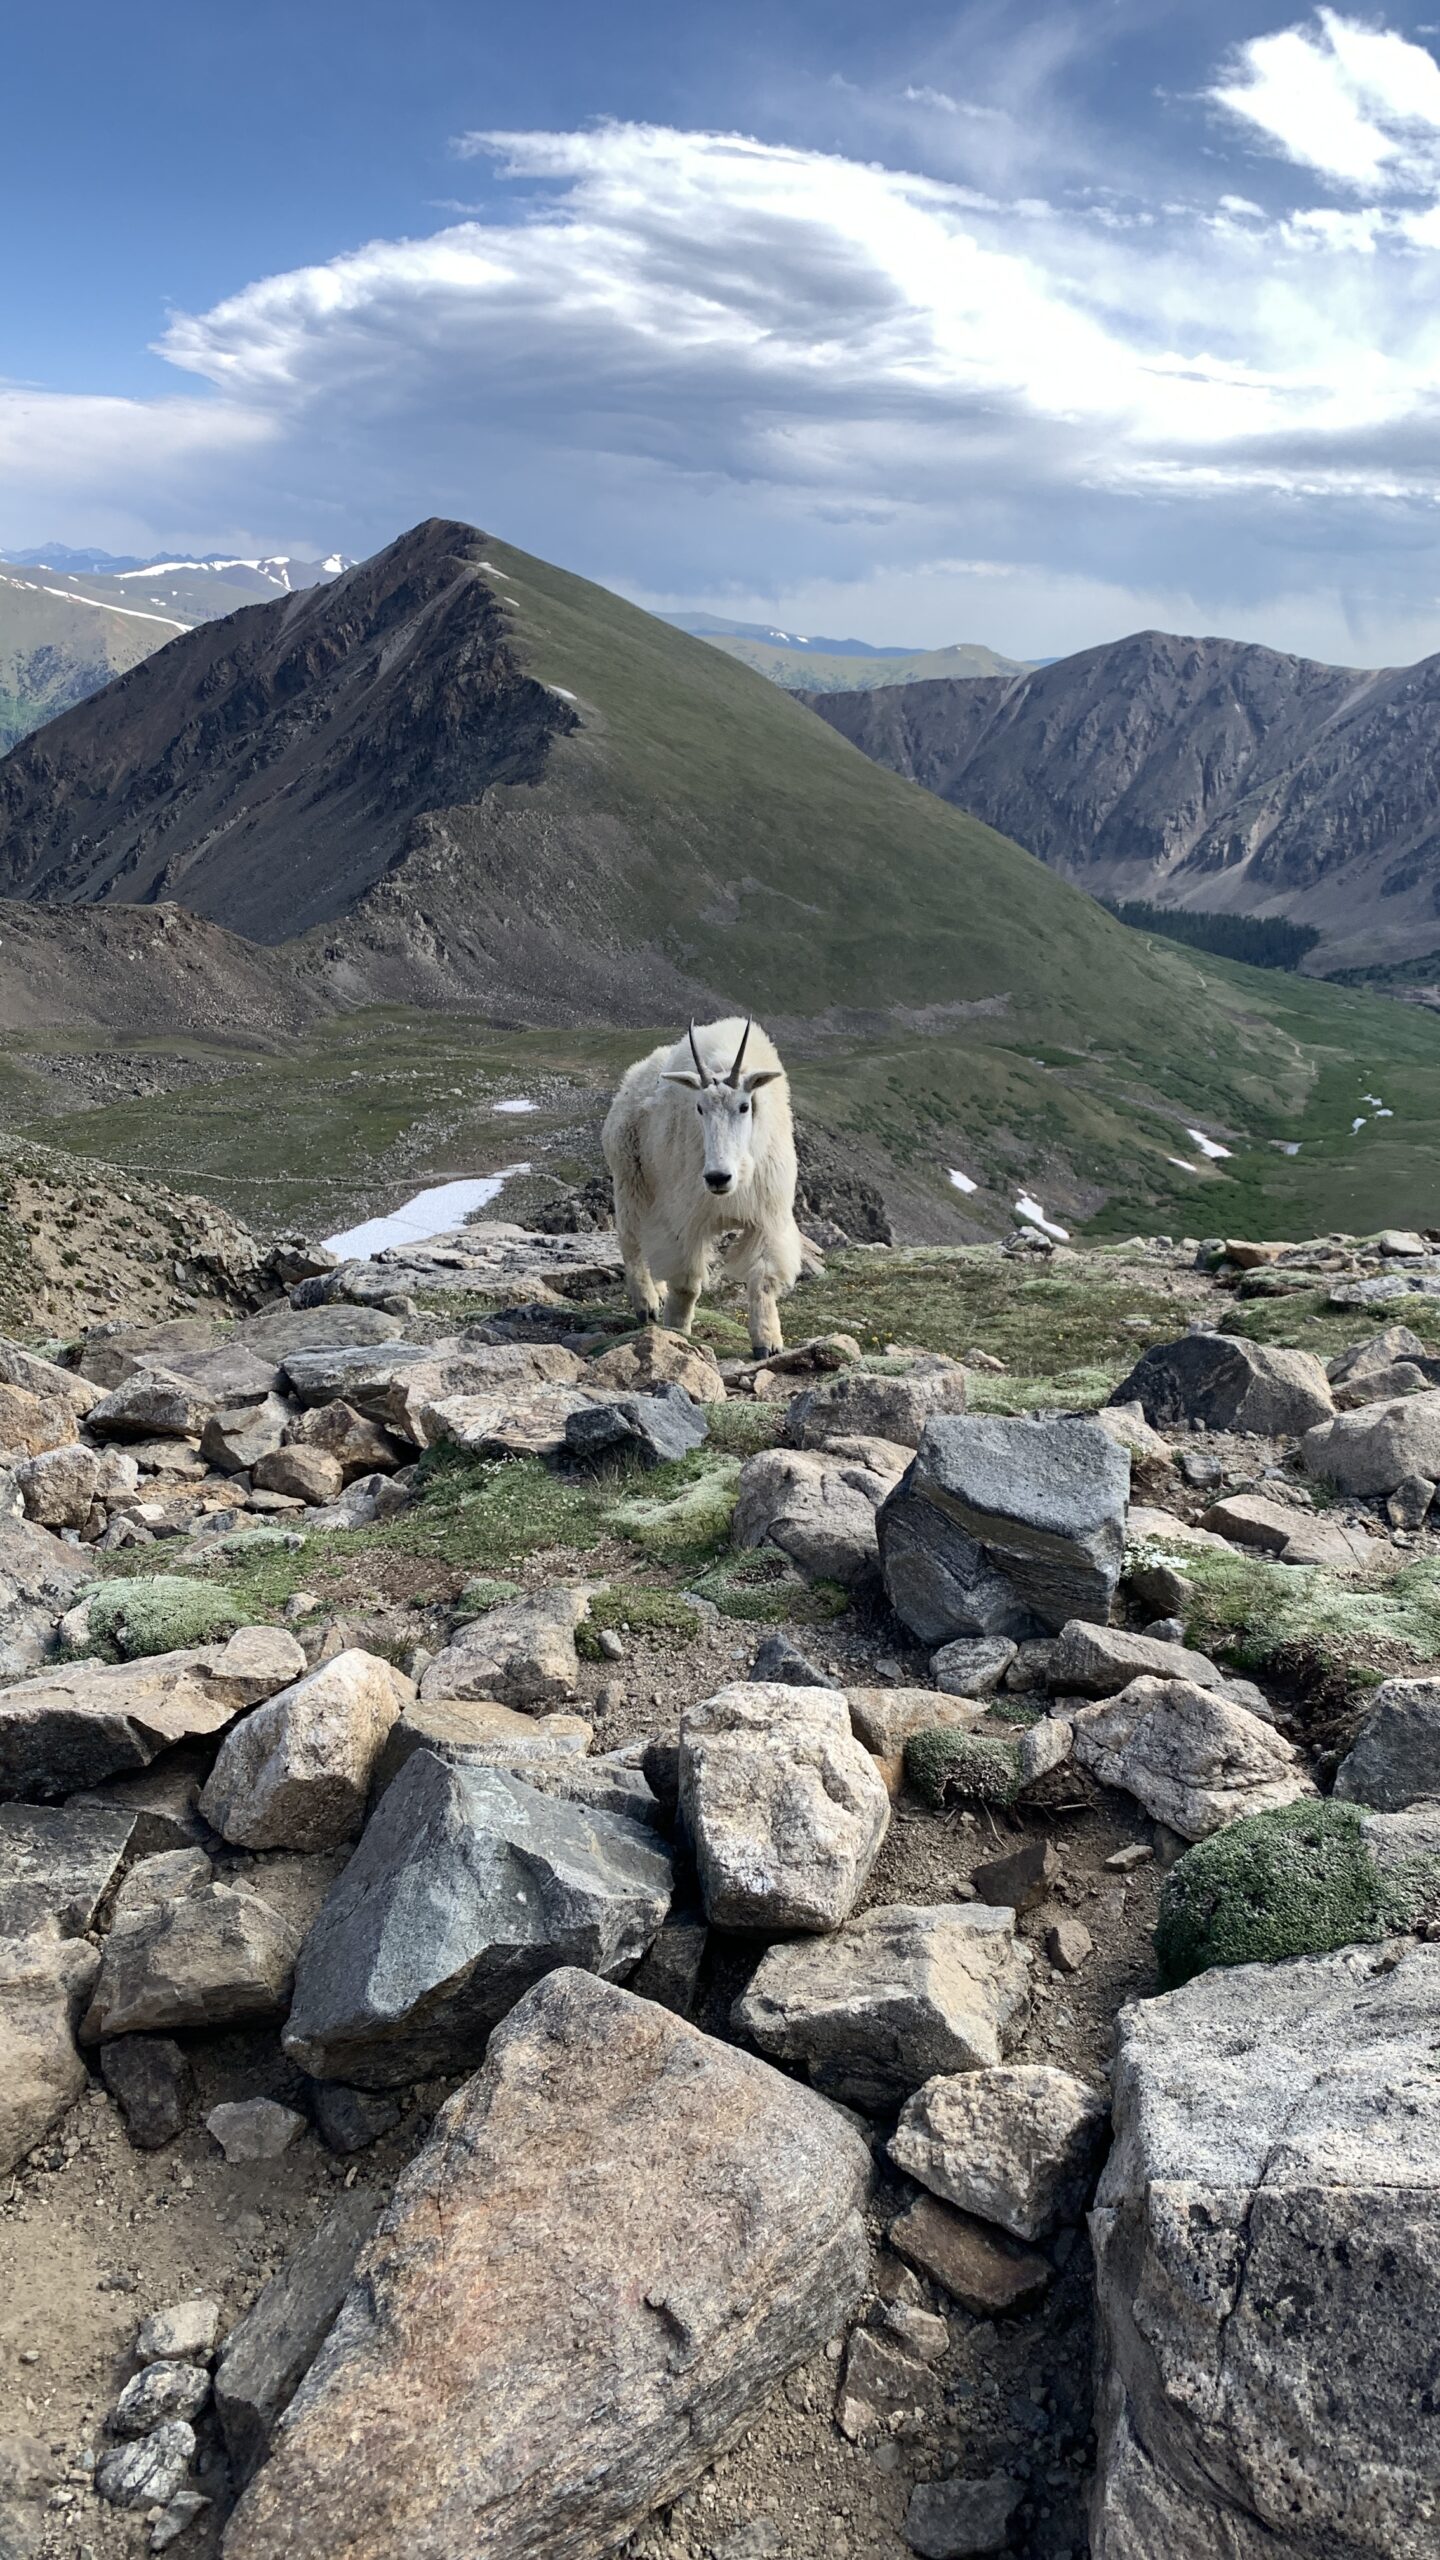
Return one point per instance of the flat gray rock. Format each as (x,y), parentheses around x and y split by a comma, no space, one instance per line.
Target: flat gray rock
(972,1666)
(898,1995)
(466,1887)
(57,1866)
(71,1727)
(1395,1758)
(619,2237)
(274,2343)
(785,1808)
(1267,2247)
(1097,1662)
(521,1654)
(1005,1527)
(818,1507)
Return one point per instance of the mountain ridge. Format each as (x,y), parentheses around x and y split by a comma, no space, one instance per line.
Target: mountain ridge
(1202,773)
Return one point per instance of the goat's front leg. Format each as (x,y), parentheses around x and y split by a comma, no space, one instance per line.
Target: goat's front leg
(640,1287)
(681,1301)
(765,1334)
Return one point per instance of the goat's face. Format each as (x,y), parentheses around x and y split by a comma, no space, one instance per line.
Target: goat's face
(726,1109)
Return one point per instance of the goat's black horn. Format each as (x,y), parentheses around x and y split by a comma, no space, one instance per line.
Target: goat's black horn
(695,1054)
(734,1075)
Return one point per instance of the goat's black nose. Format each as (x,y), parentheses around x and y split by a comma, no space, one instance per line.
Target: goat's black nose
(718,1181)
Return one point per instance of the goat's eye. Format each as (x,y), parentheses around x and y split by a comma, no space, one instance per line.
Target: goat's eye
(744,1107)
(700,1107)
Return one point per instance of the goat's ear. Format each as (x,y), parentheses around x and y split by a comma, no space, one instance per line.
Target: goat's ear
(681,1075)
(763,1075)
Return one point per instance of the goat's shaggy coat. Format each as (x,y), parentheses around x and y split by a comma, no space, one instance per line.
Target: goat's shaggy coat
(701,1146)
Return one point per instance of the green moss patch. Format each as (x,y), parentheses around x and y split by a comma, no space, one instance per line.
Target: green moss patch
(946,1766)
(163,1613)
(740,1429)
(636,1608)
(762,1586)
(1296,1882)
(1252,1610)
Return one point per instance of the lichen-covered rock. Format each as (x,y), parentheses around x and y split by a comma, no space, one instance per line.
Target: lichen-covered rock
(44,1984)
(1015,2144)
(520,1655)
(1005,1526)
(161,1613)
(1229,1384)
(58,1486)
(149,2472)
(786,1809)
(895,1997)
(30,1423)
(971,1666)
(1267,2249)
(1191,1758)
(617,2239)
(361,1446)
(467,1886)
(306,1474)
(295,1774)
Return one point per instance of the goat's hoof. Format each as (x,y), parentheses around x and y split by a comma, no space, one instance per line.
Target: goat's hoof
(766,1350)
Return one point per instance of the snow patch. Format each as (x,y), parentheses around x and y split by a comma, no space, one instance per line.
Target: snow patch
(517,1106)
(962,1181)
(127,612)
(1184,1167)
(564,693)
(1207,1146)
(1034,1216)
(430,1213)
(1288,1146)
(1357,1124)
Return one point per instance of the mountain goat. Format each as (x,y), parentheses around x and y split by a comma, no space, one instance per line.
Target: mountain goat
(702,1146)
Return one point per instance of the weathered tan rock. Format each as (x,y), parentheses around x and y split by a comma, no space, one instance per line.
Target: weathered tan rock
(521,1654)
(239,1436)
(1097,1662)
(618,2237)
(46,1379)
(478,1732)
(306,1474)
(203,1960)
(897,1996)
(985,2273)
(295,1774)
(1152,1460)
(862,1405)
(1256,1520)
(59,1486)
(786,1809)
(654,1358)
(510,1422)
(884,1720)
(30,1423)
(361,1446)
(1016,2145)
(819,1509)
(82,1722)
(1191,1758)
(57,1865)
(44,1984)
(1372,1451)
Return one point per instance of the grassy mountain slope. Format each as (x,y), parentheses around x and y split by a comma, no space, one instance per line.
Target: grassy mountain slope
(814,671)
(500,786)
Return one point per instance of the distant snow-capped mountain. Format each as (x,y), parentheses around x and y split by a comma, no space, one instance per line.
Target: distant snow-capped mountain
(280,574)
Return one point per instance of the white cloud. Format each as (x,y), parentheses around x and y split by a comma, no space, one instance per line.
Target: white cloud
(692,363)
(1356,102)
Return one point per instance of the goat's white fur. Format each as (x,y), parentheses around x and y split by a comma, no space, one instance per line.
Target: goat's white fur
(662,1130)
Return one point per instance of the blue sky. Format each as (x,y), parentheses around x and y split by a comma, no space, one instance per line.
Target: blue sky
(1023,324)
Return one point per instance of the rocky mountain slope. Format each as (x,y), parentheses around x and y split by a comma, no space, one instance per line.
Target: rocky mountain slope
(72,620)
(639,1821)
(1197,773)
